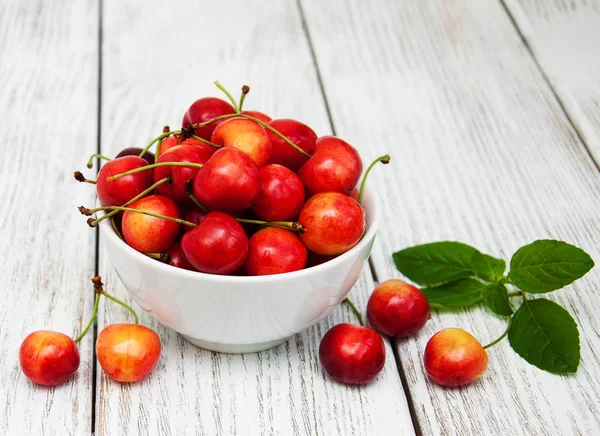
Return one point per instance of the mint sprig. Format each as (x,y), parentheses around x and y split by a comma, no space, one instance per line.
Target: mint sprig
(540,331)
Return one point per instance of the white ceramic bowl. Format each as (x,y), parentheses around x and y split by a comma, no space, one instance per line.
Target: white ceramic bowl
(235,314)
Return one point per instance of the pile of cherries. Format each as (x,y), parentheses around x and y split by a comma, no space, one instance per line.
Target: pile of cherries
(235,192)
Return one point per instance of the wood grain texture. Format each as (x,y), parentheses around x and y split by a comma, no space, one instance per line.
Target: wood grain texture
(156,63)
(481,153)
(564,37)
(48,77)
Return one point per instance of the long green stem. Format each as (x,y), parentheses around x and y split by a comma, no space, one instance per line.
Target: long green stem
(137,197)
(383,159)
(256,120)
(91,321)
(159,138)
(491,344)
(116,300)
(189,190)
(149,167)
(204,141)
(289,225)
(228,94)
(93,223)
(90,162)
(245,91)
(355,310)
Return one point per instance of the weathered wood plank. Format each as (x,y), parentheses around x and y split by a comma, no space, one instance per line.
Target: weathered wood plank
(482,153)
(563,35)
(281,391)
(48,77)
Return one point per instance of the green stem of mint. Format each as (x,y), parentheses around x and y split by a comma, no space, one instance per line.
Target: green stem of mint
(491,344)
(355,310)
(383,159)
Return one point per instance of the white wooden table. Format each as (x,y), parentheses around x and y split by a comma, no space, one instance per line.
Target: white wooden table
(490,110)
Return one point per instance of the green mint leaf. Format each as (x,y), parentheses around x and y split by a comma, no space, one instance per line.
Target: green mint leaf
(462,293)
(548,265)
(545,335)
(495,297)
(435,263)
(487,267)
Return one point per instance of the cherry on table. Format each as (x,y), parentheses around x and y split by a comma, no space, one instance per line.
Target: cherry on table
(352,354)
(273,250)
(454,357)
(127,352)
(397,308)
(48,358)
(119,191)
(297,132)
(281,194)
(205,109)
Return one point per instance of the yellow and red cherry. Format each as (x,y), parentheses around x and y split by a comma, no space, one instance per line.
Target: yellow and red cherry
(244,135)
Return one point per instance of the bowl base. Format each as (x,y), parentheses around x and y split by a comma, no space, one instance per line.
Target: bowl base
(234,348)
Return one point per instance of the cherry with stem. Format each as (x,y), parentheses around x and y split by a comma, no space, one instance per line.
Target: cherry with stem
(355,311)
(156,165)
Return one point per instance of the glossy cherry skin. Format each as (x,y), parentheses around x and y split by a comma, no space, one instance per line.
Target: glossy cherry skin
(203,110)
(273,250)
(228,181)
(127,352)
(258,115)
(454,358)
(352,354)
(334,223)
(300,134)
(175,141)
(135,151)
(48,358)
(177,257)
(334,167)
(193,214)
(281,194)
(148,234)
(180,175)
(397,309)
(245,135)
(119,191)
(218,245)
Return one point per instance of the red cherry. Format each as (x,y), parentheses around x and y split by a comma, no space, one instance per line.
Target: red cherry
(119,191)
(274,251)
(203,110)
(127,352)
(193,214)
(454,358)
(177,257)
(281,194)
(245,135)
(334,223)
(259,115)
(352,354)
(180,175)
(397,308)
(135,151)
(334,167)
(300,134)
(315,259)
(48,358)
(218,245)
(168,143)
(148,234)
(227,182)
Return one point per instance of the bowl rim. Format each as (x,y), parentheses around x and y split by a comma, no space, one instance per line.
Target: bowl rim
(372,224)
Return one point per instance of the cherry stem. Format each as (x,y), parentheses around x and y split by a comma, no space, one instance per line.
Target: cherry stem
(159,138)
(146,191)
(289,225)
(355,310)
(229,96)
(90,162)
(204,141)
(245,91)
(156,165)
(99,290)
(81,178)
(93,223)
(491,344)
(189,190)
(163,257)
(256,120)
(384,160)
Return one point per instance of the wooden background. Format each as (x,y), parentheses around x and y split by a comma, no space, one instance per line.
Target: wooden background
(490,110)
